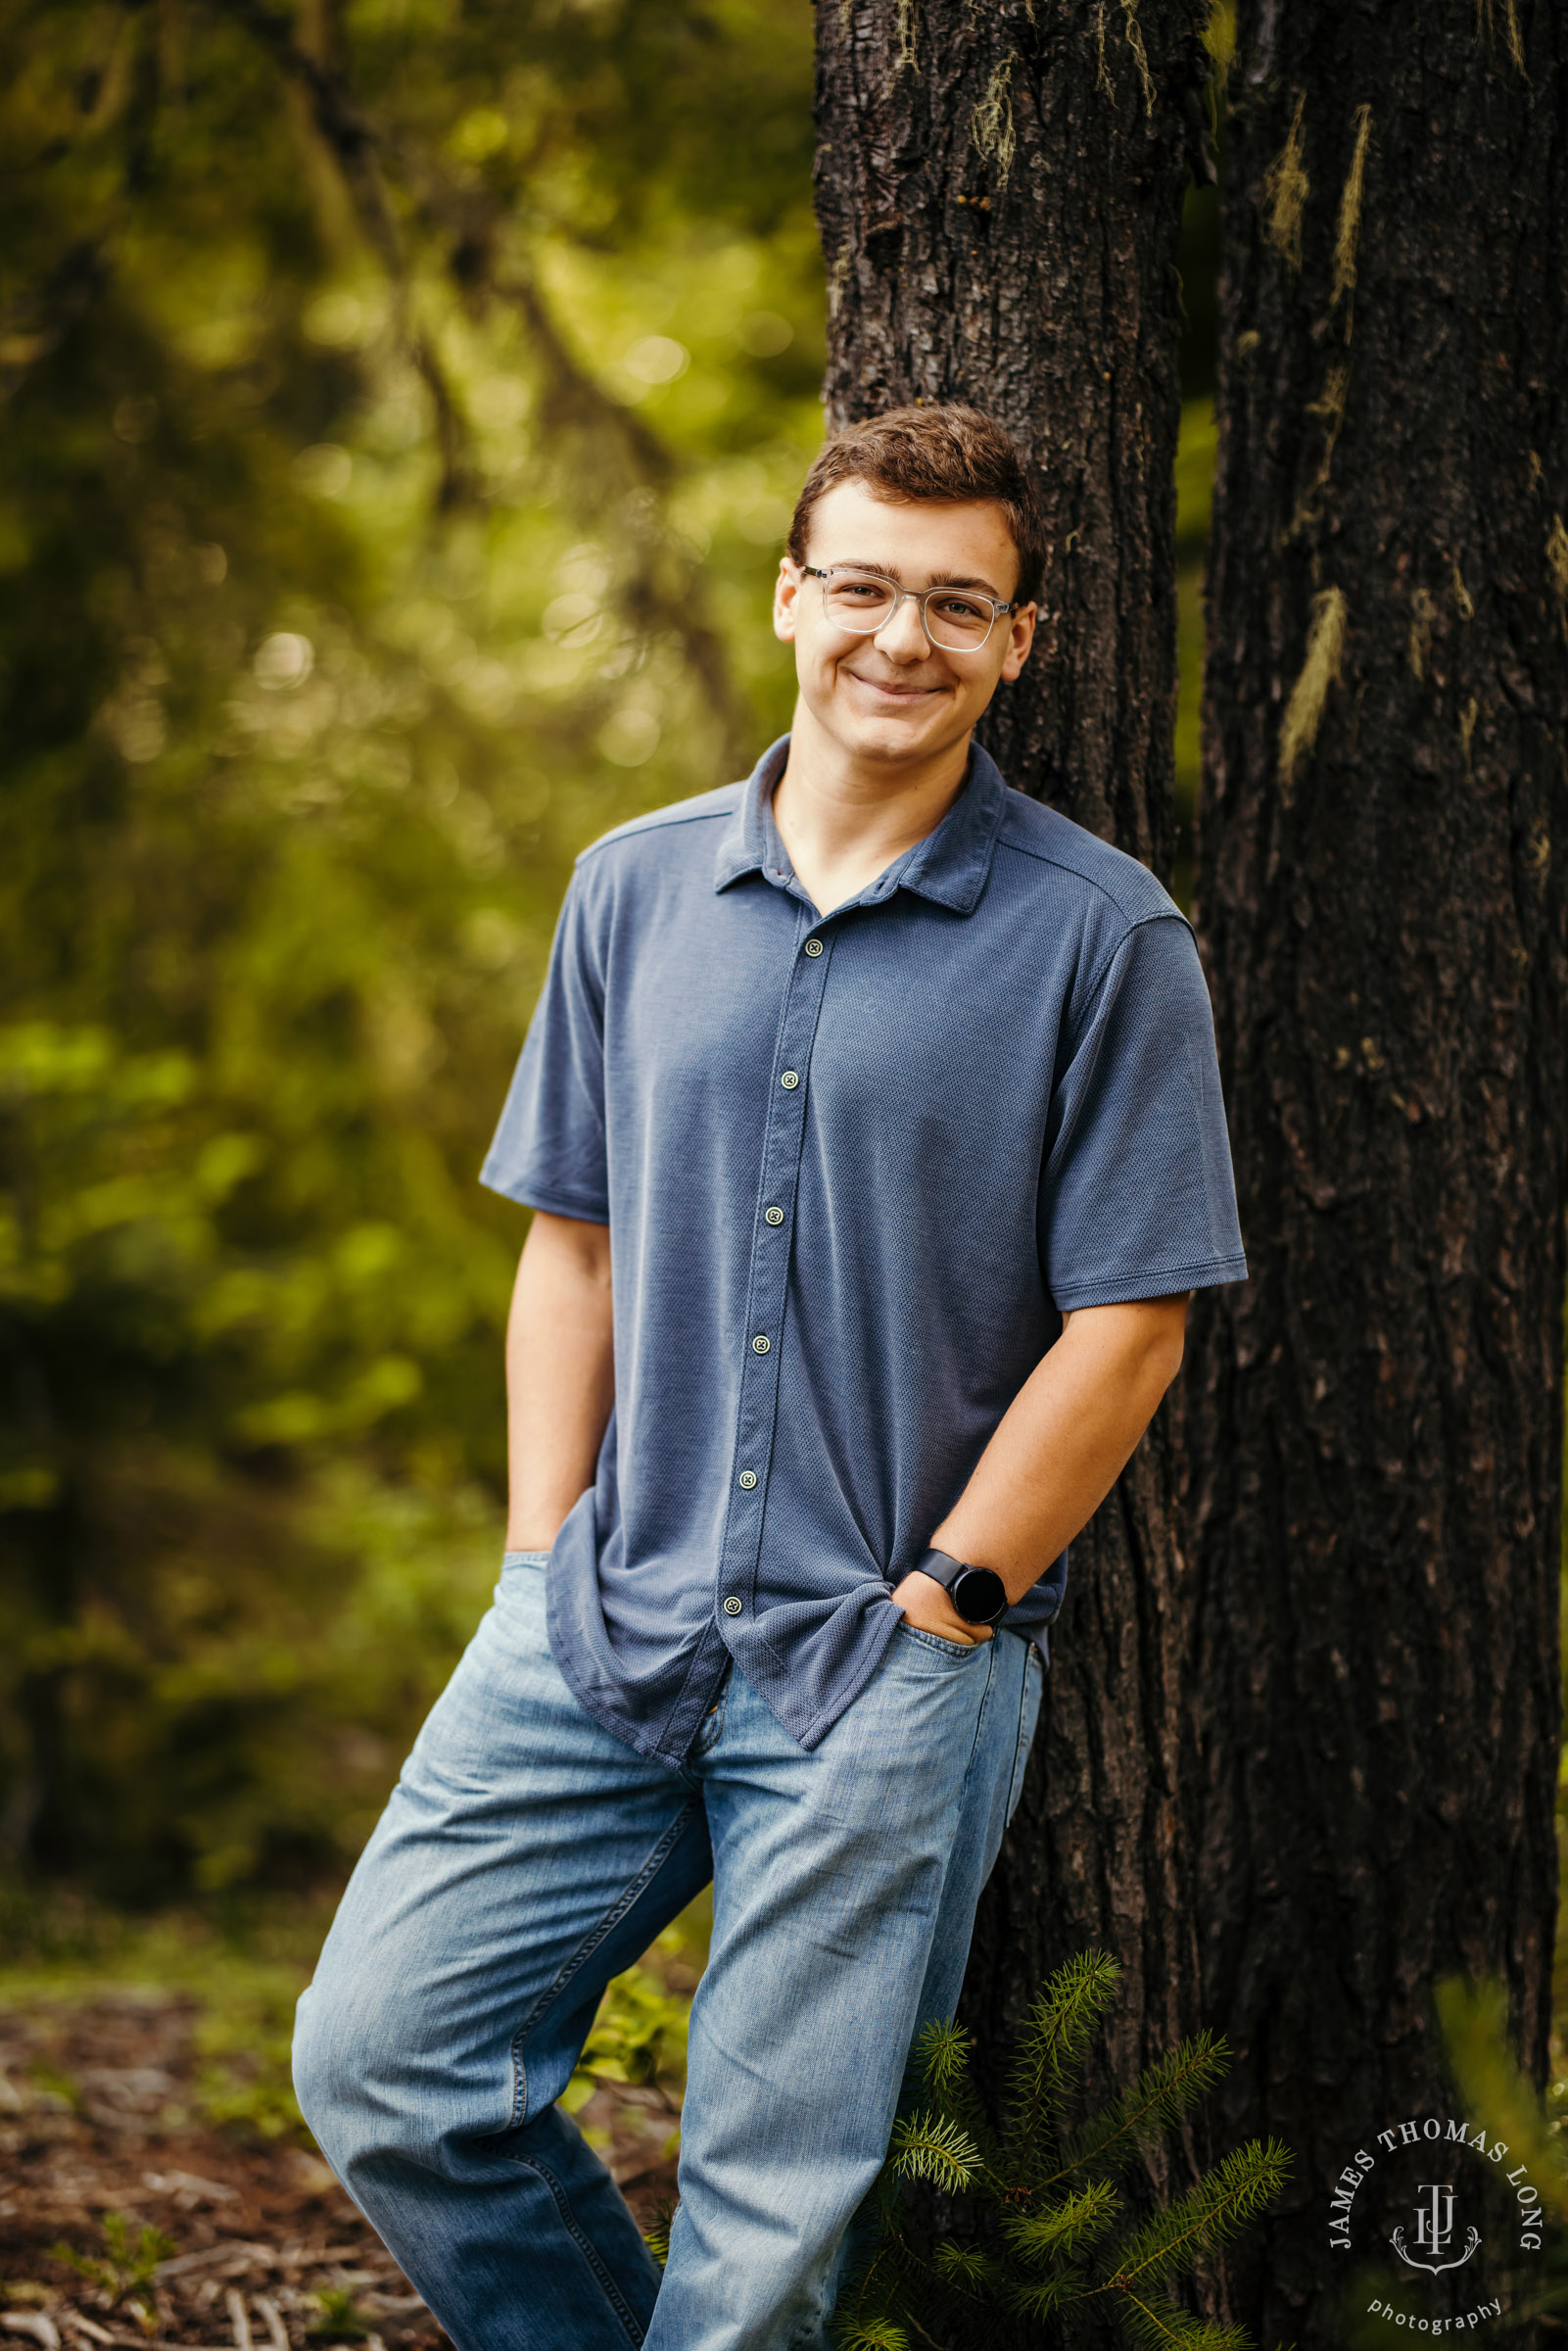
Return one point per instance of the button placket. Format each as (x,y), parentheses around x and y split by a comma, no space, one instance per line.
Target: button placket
(771,1243)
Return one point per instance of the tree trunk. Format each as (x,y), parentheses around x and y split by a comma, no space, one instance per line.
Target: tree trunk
(1374,1421)
(999,191)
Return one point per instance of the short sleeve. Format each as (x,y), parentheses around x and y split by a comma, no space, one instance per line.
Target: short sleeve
(548,1150)
(1137,1194)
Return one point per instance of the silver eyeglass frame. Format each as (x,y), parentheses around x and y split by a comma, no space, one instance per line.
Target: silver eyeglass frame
(910,596)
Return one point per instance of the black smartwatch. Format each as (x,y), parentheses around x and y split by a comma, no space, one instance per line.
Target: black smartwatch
(978,1593)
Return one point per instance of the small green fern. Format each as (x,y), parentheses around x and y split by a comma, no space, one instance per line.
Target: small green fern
(1044,2234)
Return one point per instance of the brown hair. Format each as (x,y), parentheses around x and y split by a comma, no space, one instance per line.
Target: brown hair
(948,451)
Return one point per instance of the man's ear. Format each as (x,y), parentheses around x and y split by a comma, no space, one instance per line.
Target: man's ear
(1021,636)
(786,595)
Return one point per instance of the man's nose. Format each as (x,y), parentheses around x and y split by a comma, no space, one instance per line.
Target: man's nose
(903,636)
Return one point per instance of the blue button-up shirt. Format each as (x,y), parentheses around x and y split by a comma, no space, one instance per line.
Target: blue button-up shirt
(854,1165)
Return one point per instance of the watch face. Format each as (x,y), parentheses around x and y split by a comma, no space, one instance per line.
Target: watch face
(979,1596)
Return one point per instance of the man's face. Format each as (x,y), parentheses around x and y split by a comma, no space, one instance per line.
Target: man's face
(895,696)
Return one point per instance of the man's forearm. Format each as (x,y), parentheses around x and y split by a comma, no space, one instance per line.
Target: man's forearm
(1065,1439)
(560,1374)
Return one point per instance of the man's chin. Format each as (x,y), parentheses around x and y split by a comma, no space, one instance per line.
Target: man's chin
(897,740)
(890,732)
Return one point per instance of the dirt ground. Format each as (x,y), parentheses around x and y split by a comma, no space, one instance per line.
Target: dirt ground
(219,2240)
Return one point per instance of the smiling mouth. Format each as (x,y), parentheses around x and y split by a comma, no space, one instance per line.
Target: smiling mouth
(899,694)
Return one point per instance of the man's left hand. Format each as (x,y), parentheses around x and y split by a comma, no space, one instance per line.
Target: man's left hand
(925,1602)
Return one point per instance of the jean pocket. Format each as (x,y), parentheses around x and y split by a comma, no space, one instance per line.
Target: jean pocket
(955,1650)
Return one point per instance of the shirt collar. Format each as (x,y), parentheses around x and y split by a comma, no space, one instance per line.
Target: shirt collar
(949,866)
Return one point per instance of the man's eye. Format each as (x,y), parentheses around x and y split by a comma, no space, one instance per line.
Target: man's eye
(869,592)
(962,607)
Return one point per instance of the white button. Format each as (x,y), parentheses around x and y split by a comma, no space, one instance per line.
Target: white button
(732,1606)
(761,1344)
(814,946)
(748,1479)
(772,1216)
(791,1078)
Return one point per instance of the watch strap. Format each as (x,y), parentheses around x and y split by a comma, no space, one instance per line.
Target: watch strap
(944,1569)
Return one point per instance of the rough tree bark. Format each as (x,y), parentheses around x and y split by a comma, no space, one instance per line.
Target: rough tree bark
(1374,1421)
(1000,191)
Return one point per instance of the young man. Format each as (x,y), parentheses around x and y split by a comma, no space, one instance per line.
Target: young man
(846,1082)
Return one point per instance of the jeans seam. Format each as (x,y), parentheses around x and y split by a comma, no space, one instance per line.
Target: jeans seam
(1019,1751)
(584,1951)
(585,2245)
(984,1706)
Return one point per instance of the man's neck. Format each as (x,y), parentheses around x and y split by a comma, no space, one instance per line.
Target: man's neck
(843,820)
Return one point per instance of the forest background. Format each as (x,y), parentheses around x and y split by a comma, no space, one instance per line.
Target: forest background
(389,502)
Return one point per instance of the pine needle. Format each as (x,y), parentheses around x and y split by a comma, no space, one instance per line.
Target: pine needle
(965,2267)
(875,2334)
(1065,2228)
(656,2235)
(1160,2325)
(941,2059)
(1024,2255)
(927,2147)
(1056,2036)
(1247,2181)
(1043,2298)
(1161,2095)
(942,2055)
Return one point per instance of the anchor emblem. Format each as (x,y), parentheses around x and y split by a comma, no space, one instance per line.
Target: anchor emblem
(1434,2232)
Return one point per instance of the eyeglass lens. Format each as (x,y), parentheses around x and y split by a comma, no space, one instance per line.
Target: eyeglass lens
(861,602)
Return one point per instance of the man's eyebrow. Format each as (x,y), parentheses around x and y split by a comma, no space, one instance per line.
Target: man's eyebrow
(891,571)
(963,579)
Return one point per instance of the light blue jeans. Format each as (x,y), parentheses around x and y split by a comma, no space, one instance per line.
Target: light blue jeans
(526,1856)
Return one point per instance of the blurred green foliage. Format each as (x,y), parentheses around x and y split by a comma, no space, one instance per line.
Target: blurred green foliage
(239,1962)
(338,2319)
(403,406)
(1196,453)
(404,402)
(639,2033)
(125,2262)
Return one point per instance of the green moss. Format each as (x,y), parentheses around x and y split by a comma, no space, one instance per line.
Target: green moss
(1349,221)
(991,124)
(1320,670)
(1286,188)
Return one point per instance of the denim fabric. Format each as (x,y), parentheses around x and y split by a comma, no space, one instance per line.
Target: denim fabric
(526,1856)
(848,1191)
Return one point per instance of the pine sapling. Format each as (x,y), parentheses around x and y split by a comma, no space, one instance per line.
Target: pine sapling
(1044,2234)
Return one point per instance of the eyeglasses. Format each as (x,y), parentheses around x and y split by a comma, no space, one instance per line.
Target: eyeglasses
(958,619)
